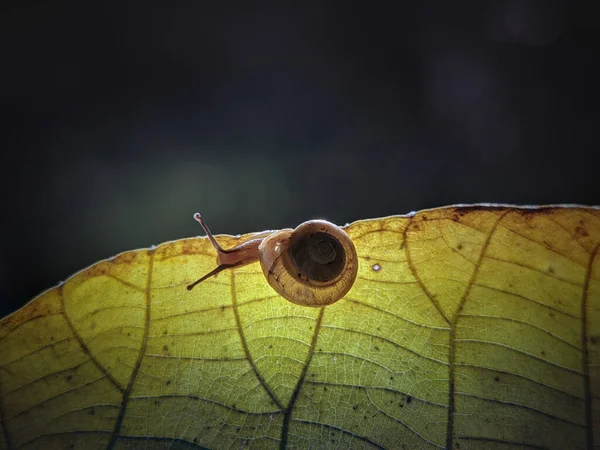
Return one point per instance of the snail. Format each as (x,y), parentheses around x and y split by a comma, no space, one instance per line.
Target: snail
(312,265)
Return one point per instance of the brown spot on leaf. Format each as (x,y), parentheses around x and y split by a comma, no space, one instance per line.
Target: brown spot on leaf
(496,379)
(459,246)
(581,231)
(187,247)
(125,258)
(527,215)
(190,246)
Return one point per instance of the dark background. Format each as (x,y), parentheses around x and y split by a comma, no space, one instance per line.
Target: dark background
(119,121)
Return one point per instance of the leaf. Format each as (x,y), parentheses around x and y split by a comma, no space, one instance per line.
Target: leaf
(468,327)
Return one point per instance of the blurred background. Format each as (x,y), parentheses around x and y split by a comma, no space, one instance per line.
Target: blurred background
(119,121)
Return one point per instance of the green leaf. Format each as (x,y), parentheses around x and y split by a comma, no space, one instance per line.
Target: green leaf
(467,327)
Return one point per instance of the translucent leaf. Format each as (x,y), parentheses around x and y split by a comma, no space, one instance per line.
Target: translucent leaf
(468,327)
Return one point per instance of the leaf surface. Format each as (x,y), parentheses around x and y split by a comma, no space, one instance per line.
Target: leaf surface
(467,327)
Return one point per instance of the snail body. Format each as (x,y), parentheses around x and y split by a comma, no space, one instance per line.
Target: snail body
(313,265)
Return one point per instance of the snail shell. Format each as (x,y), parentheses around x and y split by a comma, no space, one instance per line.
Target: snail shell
(313,265)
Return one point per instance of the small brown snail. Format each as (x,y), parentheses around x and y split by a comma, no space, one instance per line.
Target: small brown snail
(313,265)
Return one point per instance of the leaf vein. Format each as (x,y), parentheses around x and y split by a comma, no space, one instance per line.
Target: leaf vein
(108,308)
(395,316)
(501,441)
(523,352)
(195,358)
(413,270)
(140,357)
(541,244)
(28,320)
(520,405)
(37,350)
(290,408)
(376,388)
(206,400)
(362,358)
(452,350)
(384,339)
(195,333)
(405,425)
(587,388)
(46,400)
(61,433)
(7,436)
(535,269)
(341,430)
(274,336)
(503,372)
(527,299)
(240,328)
(83,345)
(523,322)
